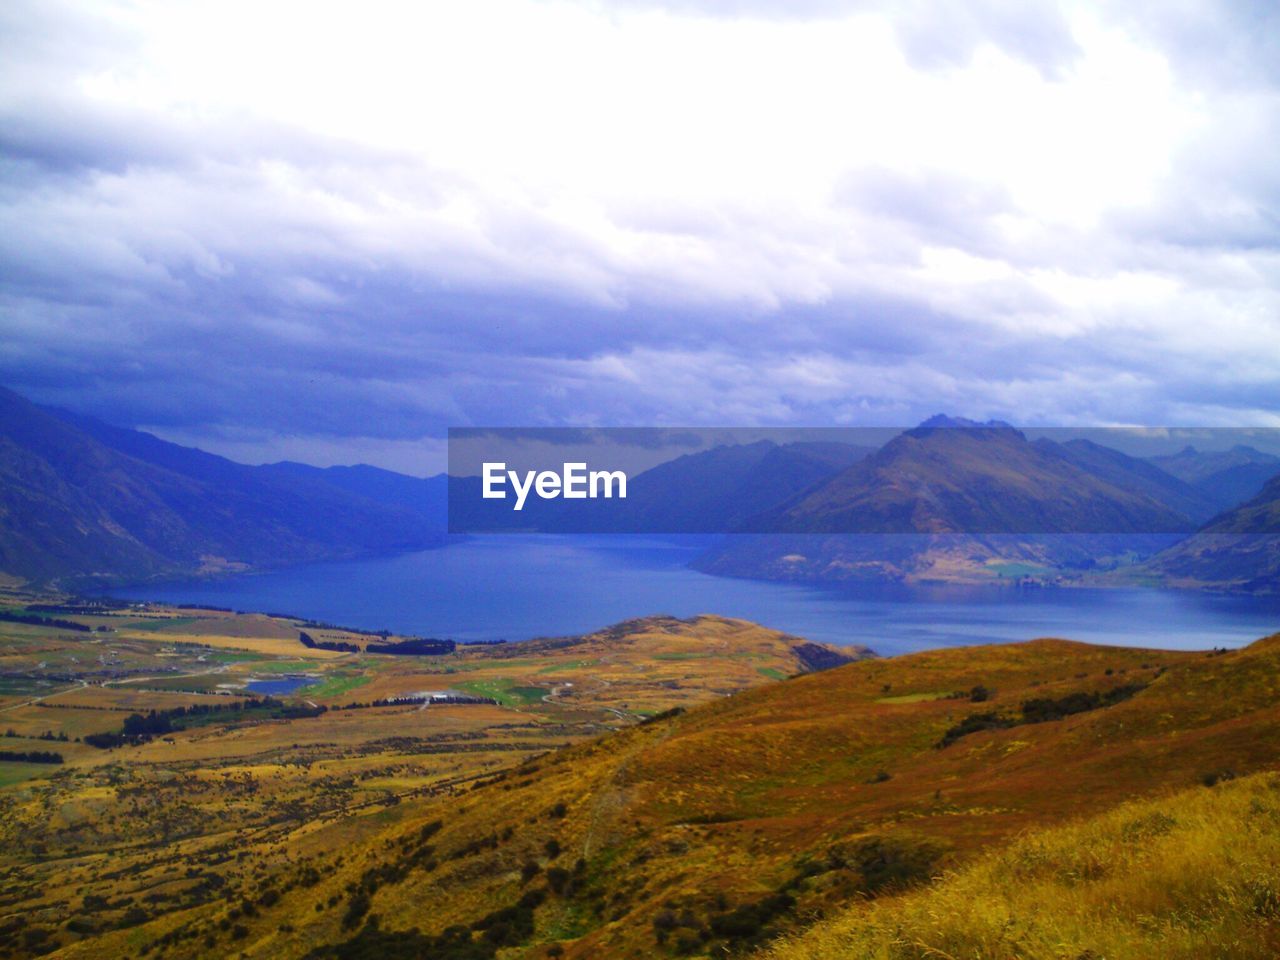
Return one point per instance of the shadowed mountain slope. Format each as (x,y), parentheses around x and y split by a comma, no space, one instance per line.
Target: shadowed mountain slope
(984,479)
(1136,475)
(1238,550)
(955,500)
(425,496)
(1227,477)
(81,499)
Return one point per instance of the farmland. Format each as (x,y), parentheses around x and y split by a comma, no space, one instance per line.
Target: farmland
(242,787)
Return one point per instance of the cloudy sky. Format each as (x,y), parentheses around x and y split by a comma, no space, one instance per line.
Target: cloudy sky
(329,231)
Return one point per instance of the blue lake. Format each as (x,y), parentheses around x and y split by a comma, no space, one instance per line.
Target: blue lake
(279,686)
(515,587)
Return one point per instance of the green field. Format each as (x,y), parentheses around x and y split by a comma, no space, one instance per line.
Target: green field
(281,666)
(18,772)
(335,685)
(231,656)
(509,693)
(22,687)
(1014,570)
(563,667)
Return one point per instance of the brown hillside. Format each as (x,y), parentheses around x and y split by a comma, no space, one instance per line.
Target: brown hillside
(718,826)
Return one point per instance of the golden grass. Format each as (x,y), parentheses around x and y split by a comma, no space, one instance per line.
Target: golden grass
(132,698)
(268,646)
(711,809)
(1186,877)
(240,799)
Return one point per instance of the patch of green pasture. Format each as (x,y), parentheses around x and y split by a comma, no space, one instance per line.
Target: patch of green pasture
(11,773)
(1013,569)
(336,685)
(231,656)
(563,667)
(505,691)
(280,666)
(21,687)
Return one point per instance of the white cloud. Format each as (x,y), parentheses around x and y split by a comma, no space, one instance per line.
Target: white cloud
(644,211)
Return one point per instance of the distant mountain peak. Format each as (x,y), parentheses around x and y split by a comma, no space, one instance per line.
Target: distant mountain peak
(942,420)
(1244,448)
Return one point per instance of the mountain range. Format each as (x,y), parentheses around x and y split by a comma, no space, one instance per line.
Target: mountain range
(949,476)
(1238,550)
(85,501)
(949,500)
(1227,477)
(958,500)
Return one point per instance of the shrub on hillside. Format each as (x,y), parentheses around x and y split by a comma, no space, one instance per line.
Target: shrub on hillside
(975,723)
(893,862)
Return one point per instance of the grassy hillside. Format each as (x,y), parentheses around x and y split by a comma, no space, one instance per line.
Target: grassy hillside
(615,801)
(714,830)
(1192,875)
(244,791)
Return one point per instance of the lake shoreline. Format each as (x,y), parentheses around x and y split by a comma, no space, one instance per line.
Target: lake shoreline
(519,588)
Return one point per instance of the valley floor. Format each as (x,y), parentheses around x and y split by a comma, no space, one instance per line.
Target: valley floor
(260,753)
(663,788)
